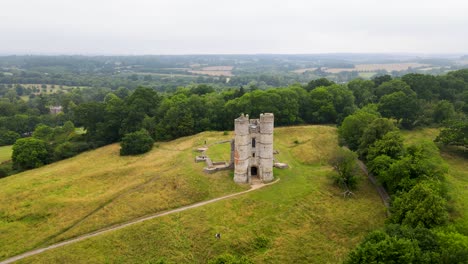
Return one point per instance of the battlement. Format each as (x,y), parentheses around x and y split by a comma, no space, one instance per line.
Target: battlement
(267,117)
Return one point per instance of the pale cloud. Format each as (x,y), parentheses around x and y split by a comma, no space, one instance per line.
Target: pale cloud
(243,26)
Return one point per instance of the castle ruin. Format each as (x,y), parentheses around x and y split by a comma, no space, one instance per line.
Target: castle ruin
(253,148)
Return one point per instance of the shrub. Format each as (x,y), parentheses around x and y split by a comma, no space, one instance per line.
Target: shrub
(422,206)
(8,137)
(261,242)
(29,153)
(136,143)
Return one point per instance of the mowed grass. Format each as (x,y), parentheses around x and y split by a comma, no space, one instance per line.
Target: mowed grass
(457,177)
(303,218)
(5,153)
(99,188)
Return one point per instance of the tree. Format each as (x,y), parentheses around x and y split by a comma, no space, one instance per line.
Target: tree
(453,247)
(318,83)
(378,80)
(421,206)
(136,143)
(344,163)
(29,153)
(421,162)
(402,107)
(363,91)
(455,133)
(374,131)
(390,145)
(379,247)
(343,101)
(393,86)
(426,86)
(443,111)
(8,137)
(353,126)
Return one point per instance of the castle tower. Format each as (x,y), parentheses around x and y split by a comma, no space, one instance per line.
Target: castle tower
(266,146)
(241,148)
(253,148)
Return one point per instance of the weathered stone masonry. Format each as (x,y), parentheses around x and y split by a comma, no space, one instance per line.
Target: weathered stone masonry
(253,148)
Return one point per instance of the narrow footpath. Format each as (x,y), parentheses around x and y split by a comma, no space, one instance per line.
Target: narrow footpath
(382,192)
(254,187)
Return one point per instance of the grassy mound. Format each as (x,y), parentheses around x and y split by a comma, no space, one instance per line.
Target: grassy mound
(301,219)
(100,188)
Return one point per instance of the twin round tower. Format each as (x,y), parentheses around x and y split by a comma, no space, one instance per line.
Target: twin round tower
(253,148)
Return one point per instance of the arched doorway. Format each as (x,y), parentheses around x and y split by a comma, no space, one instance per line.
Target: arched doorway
(253,171)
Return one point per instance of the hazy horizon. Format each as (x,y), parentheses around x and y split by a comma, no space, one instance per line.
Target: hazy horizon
(182,27)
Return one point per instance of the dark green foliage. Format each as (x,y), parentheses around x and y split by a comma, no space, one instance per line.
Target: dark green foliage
(422,246)
(374,131)
(8,137)
(230,259)
(29,153)
(443,111)
(69,149)
(378,80)
(421,162)
(5,169)
(453,246)
(344,163)
(379,166)
(422,206)
(403,107)
(378,247)
(202,89)
(390,145)
(363,91)
(136,143)
(454,133)
(393,86)
(353,126)
(318,83)
(426,86)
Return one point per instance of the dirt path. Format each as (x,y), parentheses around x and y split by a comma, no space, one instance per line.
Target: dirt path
(135,221)
(382,192)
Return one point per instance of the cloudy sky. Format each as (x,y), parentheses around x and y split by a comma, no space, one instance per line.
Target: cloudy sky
(232,27)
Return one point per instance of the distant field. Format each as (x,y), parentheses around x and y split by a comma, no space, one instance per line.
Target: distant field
(300,71)
(457,176)
(301,219)
(367,75)
(376,67)
(5,153)
(213,73)
(50,89)
(213,70)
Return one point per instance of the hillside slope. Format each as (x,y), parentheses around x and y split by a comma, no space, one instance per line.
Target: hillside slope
(301,219)
(99,188)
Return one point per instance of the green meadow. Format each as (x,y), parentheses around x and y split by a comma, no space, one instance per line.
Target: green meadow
(303,218)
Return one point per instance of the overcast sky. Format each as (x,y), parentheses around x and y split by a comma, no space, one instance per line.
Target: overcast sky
(232,27)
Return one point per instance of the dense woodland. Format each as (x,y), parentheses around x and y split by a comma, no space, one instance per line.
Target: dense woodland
(369,114)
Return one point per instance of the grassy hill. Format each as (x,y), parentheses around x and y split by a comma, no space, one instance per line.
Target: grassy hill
(5,153)
(457,177)
(301,219)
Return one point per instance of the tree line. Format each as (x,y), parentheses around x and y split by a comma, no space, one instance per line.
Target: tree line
(108,115)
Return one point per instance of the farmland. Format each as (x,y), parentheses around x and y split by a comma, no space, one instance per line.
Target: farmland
(376,67)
